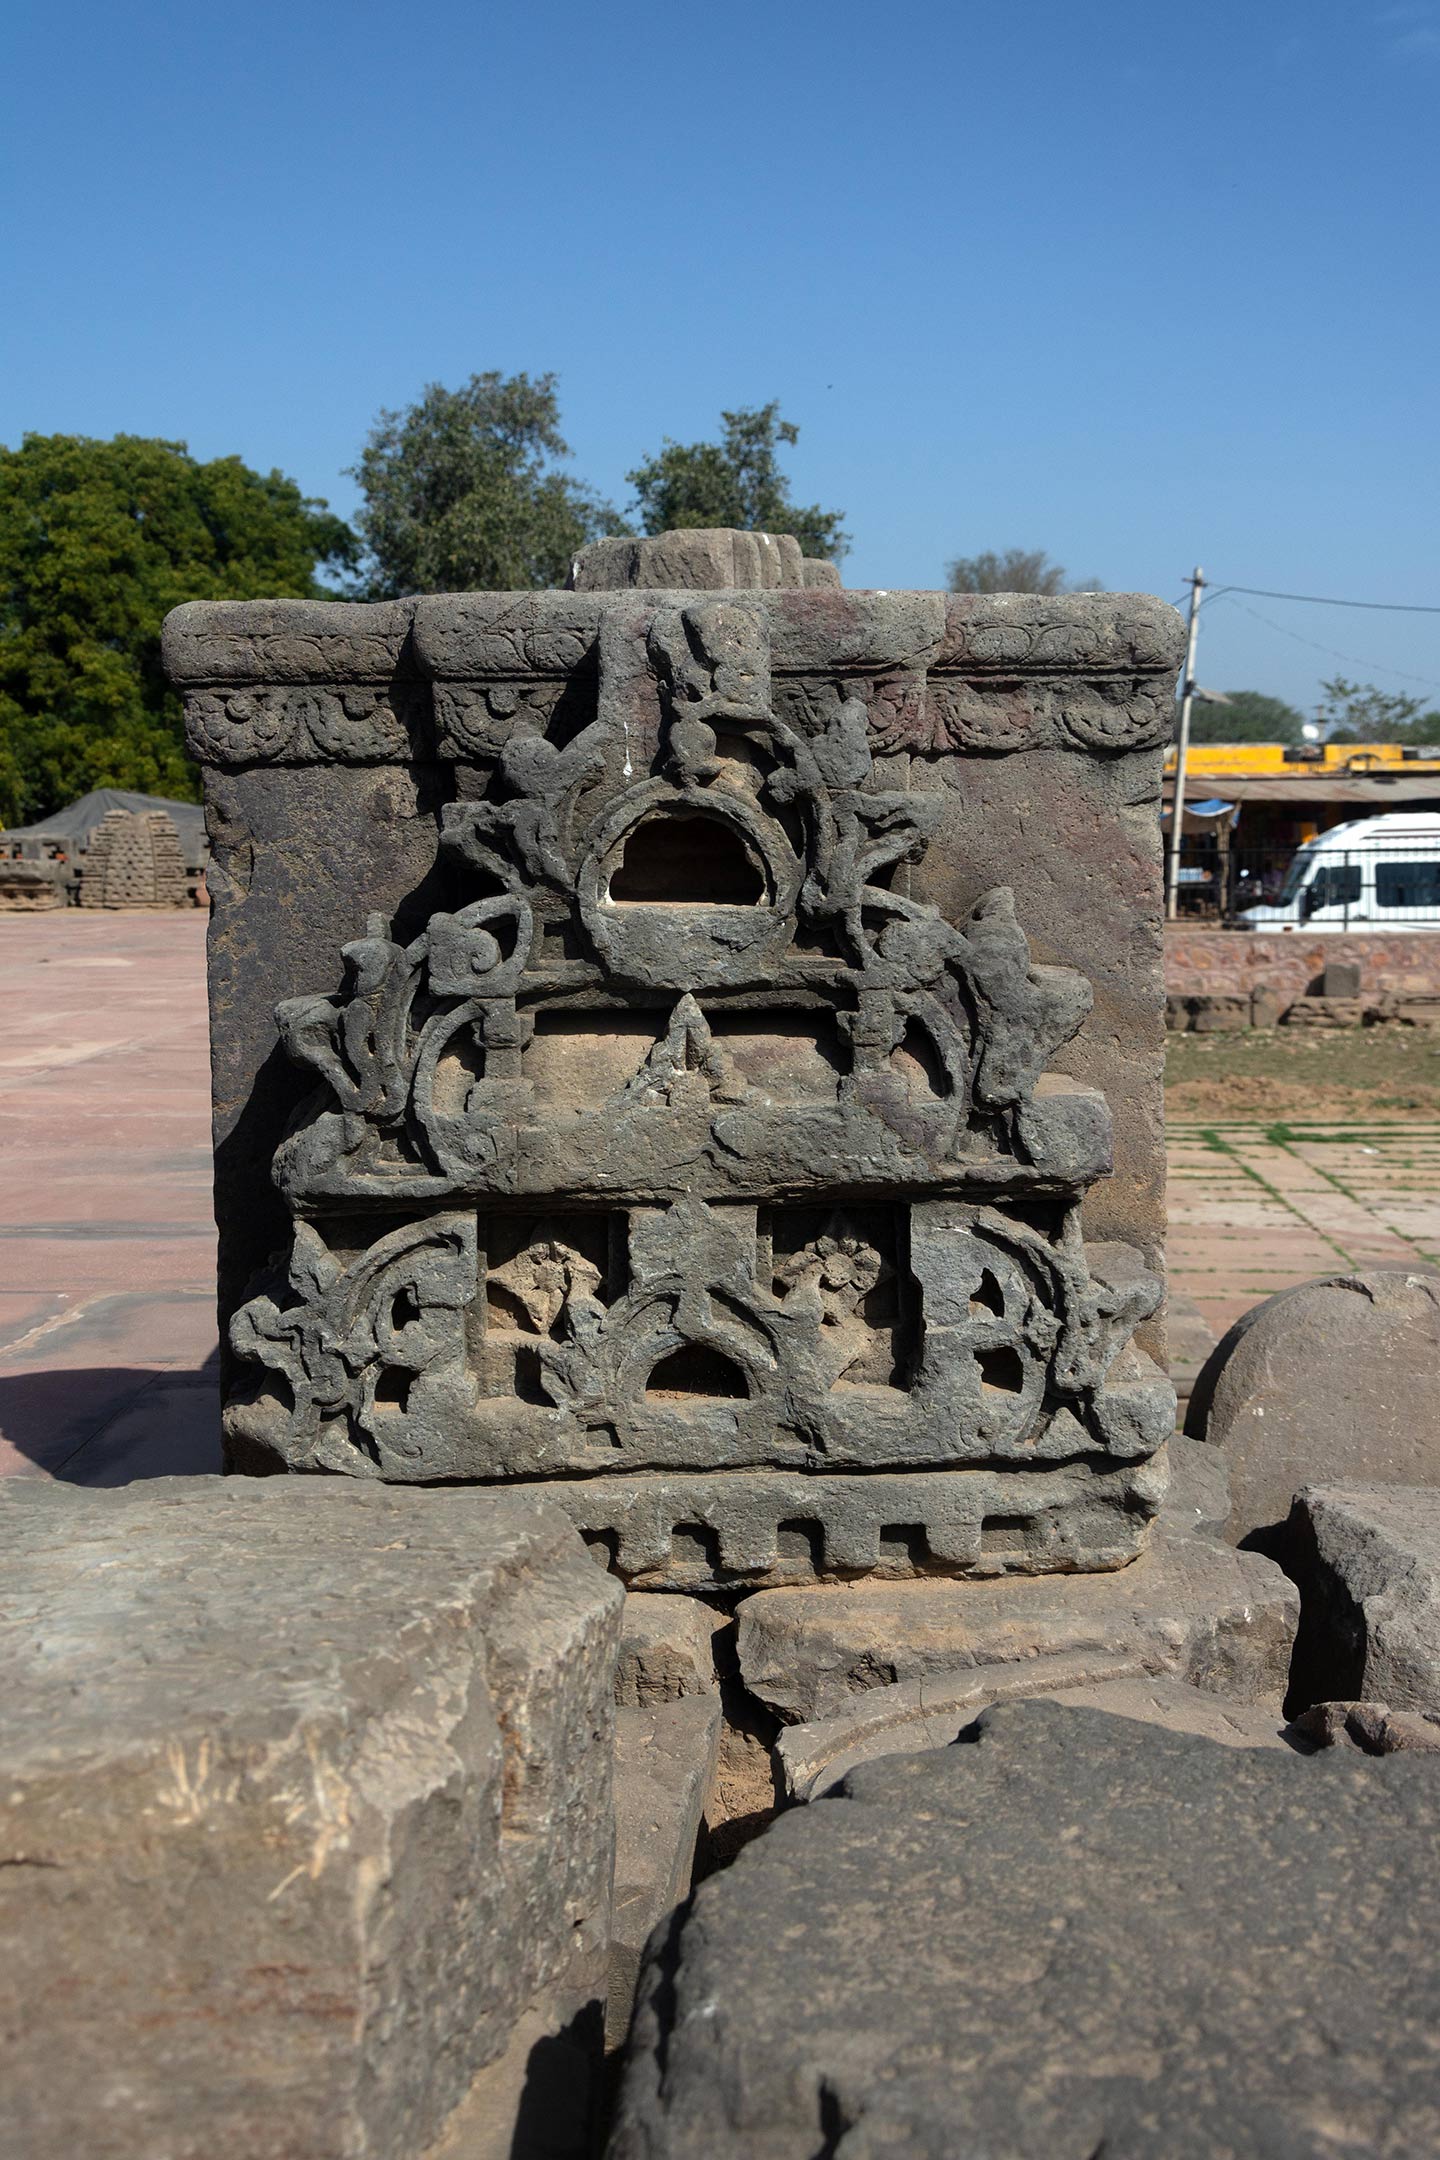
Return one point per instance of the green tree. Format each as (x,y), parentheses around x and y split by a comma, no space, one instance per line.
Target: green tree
(1247,716)
(463,492)
(1016,570)
(1359,713)
(735,483)
(98,540)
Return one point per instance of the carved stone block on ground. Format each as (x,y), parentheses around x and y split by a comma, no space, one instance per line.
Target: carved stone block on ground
(1070,1934)
(1225,1621)
(697,1050)
(667,1649)
(1335,1381)
(306,1802)
(1368,1562)
(665,1759)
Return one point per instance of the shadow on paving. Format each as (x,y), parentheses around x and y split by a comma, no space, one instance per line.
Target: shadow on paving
(110,1424)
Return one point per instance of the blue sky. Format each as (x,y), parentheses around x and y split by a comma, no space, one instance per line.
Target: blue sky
(1140,285)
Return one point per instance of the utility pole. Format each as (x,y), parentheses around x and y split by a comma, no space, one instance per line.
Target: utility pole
(1182,750)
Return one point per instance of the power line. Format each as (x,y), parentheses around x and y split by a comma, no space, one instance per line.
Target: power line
(1352,659)
(1263,592)
(1392,607)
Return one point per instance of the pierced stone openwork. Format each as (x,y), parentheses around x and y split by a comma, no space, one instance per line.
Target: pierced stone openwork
(686,1164)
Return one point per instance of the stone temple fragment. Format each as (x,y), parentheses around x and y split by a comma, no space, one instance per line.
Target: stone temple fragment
(696,1052)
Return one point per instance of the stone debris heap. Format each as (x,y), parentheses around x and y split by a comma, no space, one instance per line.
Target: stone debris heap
(692,1091)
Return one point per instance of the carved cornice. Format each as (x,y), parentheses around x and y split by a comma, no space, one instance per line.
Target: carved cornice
(449,676)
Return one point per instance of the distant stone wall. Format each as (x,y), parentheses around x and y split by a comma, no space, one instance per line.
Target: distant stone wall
(1207,962)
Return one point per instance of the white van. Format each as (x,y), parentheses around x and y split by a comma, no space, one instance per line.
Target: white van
(1374,873)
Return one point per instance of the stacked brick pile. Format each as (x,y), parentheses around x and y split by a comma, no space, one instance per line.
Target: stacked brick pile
(134,861)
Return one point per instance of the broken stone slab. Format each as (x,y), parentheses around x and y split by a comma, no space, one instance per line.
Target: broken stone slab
(1334,1381)
(1072,1933)
(667,1650)
(914,1715)
(1367,1559)
(1198,1495)
(1225,1621)
(665,1758)
(307,1803)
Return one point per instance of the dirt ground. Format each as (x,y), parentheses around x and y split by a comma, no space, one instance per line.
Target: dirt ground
(1352,1075)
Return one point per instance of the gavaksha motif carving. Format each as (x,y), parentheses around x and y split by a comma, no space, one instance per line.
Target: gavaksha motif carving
(685,1163)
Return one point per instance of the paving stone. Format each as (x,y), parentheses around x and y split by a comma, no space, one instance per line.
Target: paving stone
(1336,1380)
(667,1649)
(1071,1934)
(1367,1559)
(307,1800)
(665,1758)
(1223,1620)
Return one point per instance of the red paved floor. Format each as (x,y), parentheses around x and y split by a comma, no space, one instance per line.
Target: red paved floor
(107,1248)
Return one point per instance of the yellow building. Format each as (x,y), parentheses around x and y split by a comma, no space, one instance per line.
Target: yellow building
(1248,806)
(1285,795)
(1214,761)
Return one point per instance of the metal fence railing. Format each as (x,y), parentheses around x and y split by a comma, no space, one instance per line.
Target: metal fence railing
(1396,886)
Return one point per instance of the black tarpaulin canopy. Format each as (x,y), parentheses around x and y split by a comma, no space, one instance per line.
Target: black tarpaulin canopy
(72,827)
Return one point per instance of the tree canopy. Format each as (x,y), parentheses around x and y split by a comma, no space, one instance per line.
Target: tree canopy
(98,540)
(464,492)
(1357,712)
(736,482)
(1247,716)
(1027,570)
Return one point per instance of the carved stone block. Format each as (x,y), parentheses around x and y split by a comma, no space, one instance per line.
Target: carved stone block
(690,1054)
